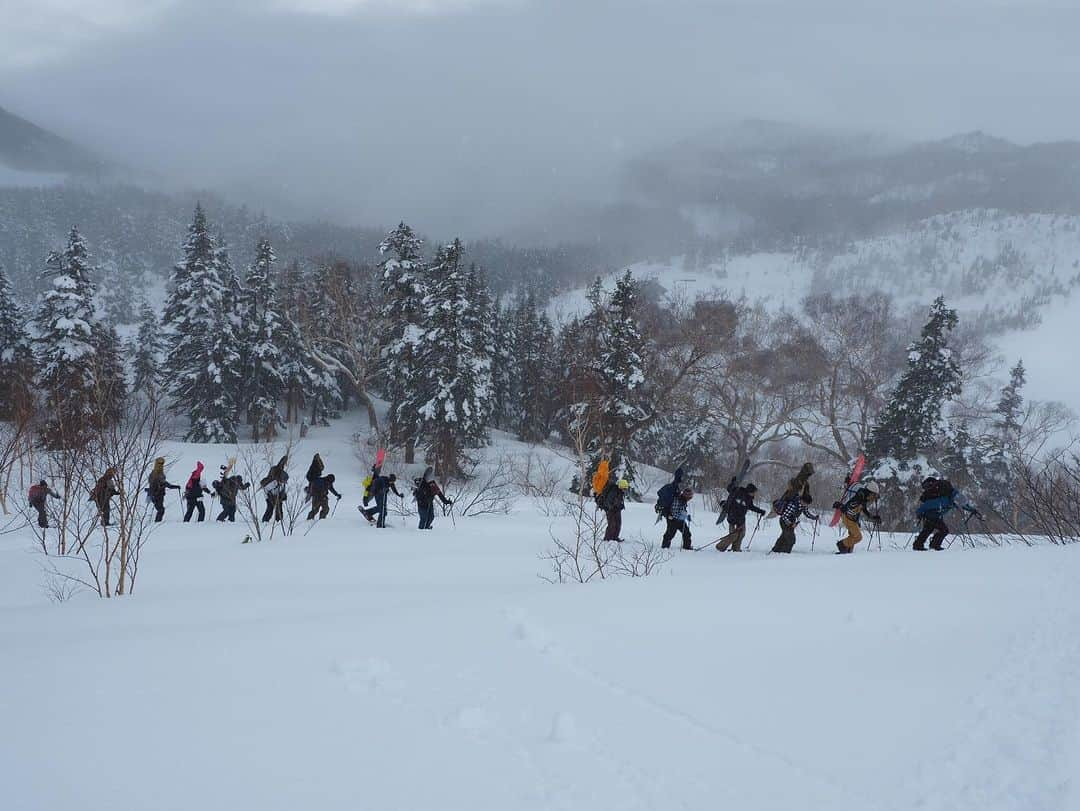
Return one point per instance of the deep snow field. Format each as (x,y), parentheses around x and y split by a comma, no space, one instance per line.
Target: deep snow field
(355,668)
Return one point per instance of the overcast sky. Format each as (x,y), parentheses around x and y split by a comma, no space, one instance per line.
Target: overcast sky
(474,114)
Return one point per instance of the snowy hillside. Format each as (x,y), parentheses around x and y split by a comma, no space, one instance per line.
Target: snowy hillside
(1018,274)
(352,668)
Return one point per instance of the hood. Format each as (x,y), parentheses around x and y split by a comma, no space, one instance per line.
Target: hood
(159,466)
(429,474)
(679,475)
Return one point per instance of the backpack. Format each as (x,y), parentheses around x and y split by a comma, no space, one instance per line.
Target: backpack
(36,493)
(600,478)
(367,484)
(665,497)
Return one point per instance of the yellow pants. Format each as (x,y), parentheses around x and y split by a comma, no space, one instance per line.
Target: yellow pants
(854,533)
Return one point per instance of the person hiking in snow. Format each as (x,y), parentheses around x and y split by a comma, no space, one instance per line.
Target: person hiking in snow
(612,500)
(321,488)
(666,495)
(102,493)
(228,490)
(937,500)
(157,484)
(273,484)
(678,520)
(740,501)
(790,511)
(797,486)
(380,488)
(314,472)
(857,502)
(193,494)
(425,492)
(38,497)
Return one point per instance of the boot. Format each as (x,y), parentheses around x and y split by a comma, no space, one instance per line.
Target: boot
(936,546)
(841,549)
(919,547)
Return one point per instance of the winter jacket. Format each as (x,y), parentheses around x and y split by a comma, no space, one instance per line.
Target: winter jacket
(104,489)
(157,484)
(322,486)
(739,502)
(612,499)
(427,491)
(667,495)
(228,488)
(380,485)
(858,504)
(792,510)
(316,469)
(273,483)
(680,510)
(38,494)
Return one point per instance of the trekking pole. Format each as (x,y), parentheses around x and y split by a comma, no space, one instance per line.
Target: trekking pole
(752,534)
(813,540)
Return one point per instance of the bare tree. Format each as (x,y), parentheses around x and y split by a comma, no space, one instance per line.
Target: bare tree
(102,558)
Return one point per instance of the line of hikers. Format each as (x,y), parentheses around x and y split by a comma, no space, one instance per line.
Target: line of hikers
(937,499)
(227,488)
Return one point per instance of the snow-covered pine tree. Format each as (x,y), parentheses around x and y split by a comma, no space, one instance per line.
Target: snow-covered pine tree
(908,425)
(230,341)
(503,368)
(67,344)
(905,438)
(109,373)
(535,371)
(146,352)
(1002,449)
(263,332)
(403,288)
(202,353)
(608,371)
(16,355)
(453,362)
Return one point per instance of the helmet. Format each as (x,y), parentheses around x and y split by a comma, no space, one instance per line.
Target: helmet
(624,484)
(873,487)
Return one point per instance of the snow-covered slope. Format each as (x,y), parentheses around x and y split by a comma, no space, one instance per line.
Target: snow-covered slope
(1018,274)
(360,669)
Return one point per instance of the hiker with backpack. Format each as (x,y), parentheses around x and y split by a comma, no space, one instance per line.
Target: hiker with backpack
(156,485)
(315,470)
(273,484)
(425,491)
(790,510)
(740,501)
(193,494)
(320,489)
(797,486)
(665,496)
(228,491)
(612,500)
(678,520)
(102,494)
(38,496)
(857,501)
(380,488)
(937,499)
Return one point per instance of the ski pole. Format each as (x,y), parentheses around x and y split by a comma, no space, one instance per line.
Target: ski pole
(813,540)
(752,534)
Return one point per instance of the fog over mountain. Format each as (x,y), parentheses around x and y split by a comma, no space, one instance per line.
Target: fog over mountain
(486,117)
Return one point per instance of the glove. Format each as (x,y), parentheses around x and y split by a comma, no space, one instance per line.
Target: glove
(876,519)
(836,505)
(339,498)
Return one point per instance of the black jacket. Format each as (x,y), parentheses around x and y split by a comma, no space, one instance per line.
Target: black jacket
(739,502)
